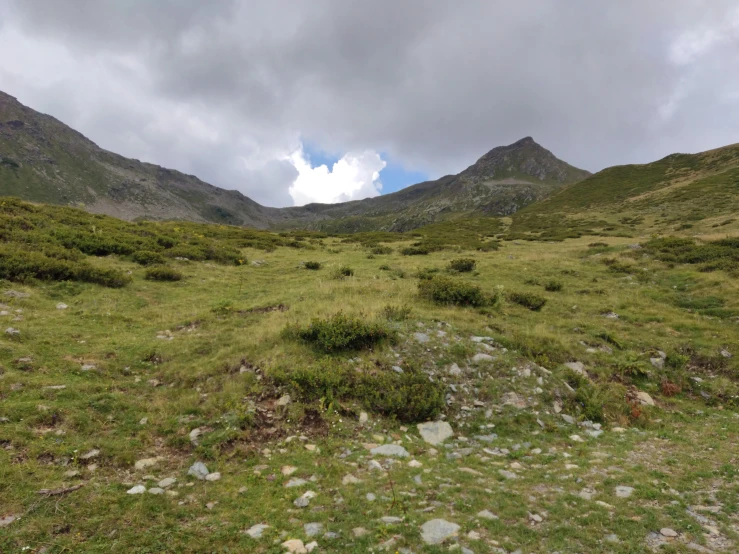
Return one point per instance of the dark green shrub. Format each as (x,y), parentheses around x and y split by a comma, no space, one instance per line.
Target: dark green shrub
(415,251)
(343,271)
(553,286)
(340,332)
(162,273)
(462,265)
(312,265)
(409,397)
(381,250)
(384,267)
(527,300)
(427,273)
(147,257)
(443,290)
(396,313)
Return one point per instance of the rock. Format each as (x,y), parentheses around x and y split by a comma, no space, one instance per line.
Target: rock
(370,497)
(391,520)
(725,353)
(304,501)
(311,546)
(363,417)
(284,400)
(350,480)
(536,518)
(61,306)
(397,369)
(437,531)
(623,491)
(7,520)
(295,483)
(610,315)
(658,363)
(211,505)
(507,474)
(194,435)
(288,470)
(486,514)
(295,546)
(146,463)
(390,450)
(12,332)
(359,532)
(586,494)
(576,438)
(256,531)
(644,399)
(577,367)
(90,455)
(513,399)
(435,432)
(479,358)
(167,482)
(156,490)
(138,489)
(312,529)
(71,473)
(454,370)
(215,476)
(667,532)
(421,337)
(198,470)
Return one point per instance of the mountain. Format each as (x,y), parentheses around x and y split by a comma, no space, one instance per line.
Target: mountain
(679,192)
(43,160)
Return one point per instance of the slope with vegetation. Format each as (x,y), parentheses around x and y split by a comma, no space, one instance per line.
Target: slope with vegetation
(252,405)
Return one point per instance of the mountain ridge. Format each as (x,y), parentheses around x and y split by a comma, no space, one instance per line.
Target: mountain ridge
(45,160)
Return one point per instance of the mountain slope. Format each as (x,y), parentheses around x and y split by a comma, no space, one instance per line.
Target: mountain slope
(44,160)
(680,190)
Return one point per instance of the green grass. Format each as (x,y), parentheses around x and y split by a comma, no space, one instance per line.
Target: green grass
(145,364)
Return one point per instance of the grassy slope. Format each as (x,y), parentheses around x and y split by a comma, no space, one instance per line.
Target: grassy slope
(688,443)
(700,190)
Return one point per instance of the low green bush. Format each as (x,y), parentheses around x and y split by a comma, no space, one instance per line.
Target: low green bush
(384,267)
(396,313)
(147,257)
(443,290)
(381,250)
(553,286)
(312,265)
(527,300)
(462,265)
(162,273)
(342,272)
(415,251)
(341,332)
(427,273)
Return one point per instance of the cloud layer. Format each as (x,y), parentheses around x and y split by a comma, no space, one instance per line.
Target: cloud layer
(226,89)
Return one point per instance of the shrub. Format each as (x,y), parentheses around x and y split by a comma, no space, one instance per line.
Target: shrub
(415,251)
(553,286)
(384,267)
(380,250)
(427,273)
(443,290)
(312,265)
(343,271)
(340,332)
(162,273)
(462,265)
(527,300)
(396,313)
(146,257)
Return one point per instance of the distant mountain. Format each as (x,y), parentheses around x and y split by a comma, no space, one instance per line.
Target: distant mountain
(43,160)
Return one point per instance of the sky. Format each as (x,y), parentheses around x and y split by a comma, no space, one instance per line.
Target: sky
(293,102)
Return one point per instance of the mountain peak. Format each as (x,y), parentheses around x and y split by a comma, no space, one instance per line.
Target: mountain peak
(524,141)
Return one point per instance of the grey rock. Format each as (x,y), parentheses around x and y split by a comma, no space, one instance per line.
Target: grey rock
(7,520)
(435,432)
(577,367)
(397,369)
(138,489)
(156,490)
(302,502)
(312,529)
(486,438)
(421,337)
(479,358)
(390,520)
(61,306)
(725,353)
(569,419)
(12,331)
(454,370)
(167,482)
(295,482)
(256,531)
(284,400)
(658,363)
(667,532)
(437,531)
(390,450)
(370,497)
(16,294)
(198,470)
(486,514)
(507,474)
(644,399)
(623,491)
(215,476)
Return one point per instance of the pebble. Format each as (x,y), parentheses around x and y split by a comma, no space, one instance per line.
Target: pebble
(61,306)
(507,474)
(667,532)
(421,337)
(168,482)
(7,520)
(435,432)
(350,480)
(454,370)
(390,520)
(370,497)
(146,463)
(198,470)
(479,358)
(12,331)
(295,483)
(256,531)
(312,529)
(390,450)
(288,470)
(436,531)
(156,490)
(644,399)
(624,491)
(577,367)
(284,400)
(486,514)
(363,417)
(138,489)
(295,546)
(215,476)
(359,532)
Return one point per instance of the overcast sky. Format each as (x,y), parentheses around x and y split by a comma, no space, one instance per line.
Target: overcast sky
(257,95)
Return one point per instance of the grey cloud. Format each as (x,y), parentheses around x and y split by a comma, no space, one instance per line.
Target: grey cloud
(433,84)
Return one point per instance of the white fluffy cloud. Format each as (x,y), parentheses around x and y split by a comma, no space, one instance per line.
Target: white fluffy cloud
(353,177)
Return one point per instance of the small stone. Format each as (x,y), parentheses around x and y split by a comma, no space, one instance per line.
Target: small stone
(350,480)
(435,432)
(168,482)
(437,531)
(657,363)
(577,367)
(284,400)
(391,520)
(576,438)
(474,536)
(311,447)
(88,367)
(390,450)
(146,463)
(363,417)
(288,470)
(486,514)
(454,370)
(143,421)
(667,532)
(612,538)
(71,473)
(295,483)
(480,358)
(415,463)
(198,470)
(421,337)
(397,369)
(644,399)
(90,455)
(156,490)
(370,497)
(256,531)
(138,489)
(359,532)
(536,518)
(312,529)
(211,505)
(725,353)
(61,306)
(7,520)
(624,491)
(311,546)
(194,435)
(295,546)
(507,474)
(12,331)
(215,476)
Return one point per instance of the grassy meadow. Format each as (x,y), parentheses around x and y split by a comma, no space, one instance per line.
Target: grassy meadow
(234,356)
